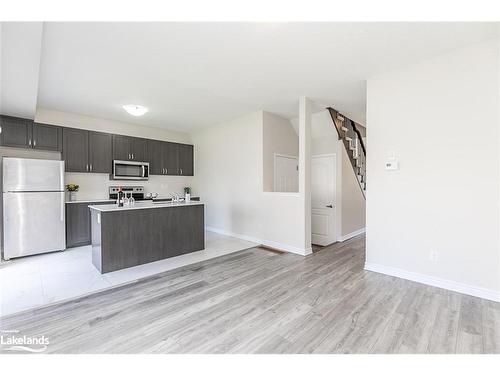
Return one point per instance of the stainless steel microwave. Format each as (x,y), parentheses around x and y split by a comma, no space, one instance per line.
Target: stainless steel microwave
(130,170)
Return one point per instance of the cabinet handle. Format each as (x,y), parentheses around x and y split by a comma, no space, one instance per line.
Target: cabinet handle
(34,143)
(128,156)
(132,156)
(0,130)
(29,143)
(87,167)
(181,170)
(91,167)
(166,171)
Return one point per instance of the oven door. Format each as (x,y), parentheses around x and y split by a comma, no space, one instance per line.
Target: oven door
(130,170)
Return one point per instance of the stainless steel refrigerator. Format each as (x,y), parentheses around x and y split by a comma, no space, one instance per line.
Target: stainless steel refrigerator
(33,206)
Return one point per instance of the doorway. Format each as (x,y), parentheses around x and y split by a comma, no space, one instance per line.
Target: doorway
(286,173)
(323,199)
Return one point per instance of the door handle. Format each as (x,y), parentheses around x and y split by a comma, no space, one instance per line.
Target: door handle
(330,206)
(63,206)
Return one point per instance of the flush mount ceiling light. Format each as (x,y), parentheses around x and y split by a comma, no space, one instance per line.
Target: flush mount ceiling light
(135,110)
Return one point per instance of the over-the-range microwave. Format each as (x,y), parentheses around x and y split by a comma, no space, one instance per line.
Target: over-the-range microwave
(130,170)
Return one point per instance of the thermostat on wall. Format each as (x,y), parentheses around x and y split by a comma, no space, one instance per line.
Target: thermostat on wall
(391,165)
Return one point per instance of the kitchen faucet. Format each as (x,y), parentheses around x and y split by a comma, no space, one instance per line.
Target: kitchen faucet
(175,197)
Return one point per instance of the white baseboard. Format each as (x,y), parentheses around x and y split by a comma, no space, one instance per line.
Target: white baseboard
(351,235)
(470,290)
(275,245)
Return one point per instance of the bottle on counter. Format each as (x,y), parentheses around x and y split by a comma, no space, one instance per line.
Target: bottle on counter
(120,197)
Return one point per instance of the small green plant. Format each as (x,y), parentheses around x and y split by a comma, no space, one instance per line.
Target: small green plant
(72,187)
(187,190)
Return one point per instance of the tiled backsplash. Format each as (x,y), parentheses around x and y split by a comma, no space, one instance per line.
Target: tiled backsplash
(95,185)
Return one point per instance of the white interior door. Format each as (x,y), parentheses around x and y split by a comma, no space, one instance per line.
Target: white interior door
(286,173)
(323,199)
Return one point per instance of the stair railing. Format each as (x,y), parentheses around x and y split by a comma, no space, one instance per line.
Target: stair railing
(353,142)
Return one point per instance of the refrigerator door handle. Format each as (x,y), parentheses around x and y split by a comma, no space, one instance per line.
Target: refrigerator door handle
(63,204)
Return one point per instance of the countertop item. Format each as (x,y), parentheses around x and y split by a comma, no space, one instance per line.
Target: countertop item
(143,205)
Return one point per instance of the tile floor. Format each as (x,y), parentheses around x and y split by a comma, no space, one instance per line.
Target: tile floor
(43,279)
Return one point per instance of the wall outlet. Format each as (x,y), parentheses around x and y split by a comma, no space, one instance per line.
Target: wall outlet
(434,255)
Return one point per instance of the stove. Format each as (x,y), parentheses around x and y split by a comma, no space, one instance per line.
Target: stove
(137,192)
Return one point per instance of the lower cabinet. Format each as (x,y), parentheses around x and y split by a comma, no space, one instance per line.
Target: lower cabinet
(78,223)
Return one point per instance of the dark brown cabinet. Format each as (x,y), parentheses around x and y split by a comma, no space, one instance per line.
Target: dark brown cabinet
(100,155)
(77,224)
(130,148)
(47,137)
(121,147)
(155,157)
(186,157)
(76,150)
(15,132)
(172,159)
(25,133)
(87,151)
(78,231)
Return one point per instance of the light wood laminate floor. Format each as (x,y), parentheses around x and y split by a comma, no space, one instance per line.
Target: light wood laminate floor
(258,301)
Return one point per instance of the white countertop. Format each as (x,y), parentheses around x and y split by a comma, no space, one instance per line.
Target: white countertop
(91,201)
(142,205)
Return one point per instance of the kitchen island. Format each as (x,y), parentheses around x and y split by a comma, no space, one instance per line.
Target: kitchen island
(128,236)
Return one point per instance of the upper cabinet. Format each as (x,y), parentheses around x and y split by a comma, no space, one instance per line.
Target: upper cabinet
(100,155)
(47,137)
(25,133)
(167,158)
(87,151)
(130,148)
(76,150)
(186,158)
(94,152)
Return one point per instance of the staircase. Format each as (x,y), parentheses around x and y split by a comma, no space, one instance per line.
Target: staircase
(354,145)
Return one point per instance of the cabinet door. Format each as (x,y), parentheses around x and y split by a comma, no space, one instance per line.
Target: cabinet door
(77,224)
(155,157)
(170,156)
(121,147)
(139,149)
(47,137)
(186,160)
(76,150)
(100,156)
(15,132)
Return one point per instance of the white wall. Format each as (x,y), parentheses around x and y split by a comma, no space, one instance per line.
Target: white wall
(279,137)
(441,119)
(95,185)
(229,177)
(74,120)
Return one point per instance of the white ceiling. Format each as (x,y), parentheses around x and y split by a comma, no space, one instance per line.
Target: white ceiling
(192,75)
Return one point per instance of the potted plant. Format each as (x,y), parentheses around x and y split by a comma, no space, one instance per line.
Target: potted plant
(72,188)
(187,194)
